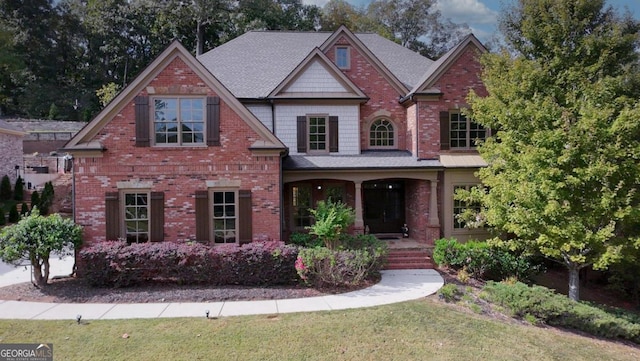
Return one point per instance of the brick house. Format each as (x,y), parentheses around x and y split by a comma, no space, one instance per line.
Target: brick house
(11,145)
(237,144)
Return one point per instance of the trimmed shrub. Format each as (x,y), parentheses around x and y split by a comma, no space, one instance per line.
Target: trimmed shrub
(546,306)
(449,292)
(24,209)
(5,189)
(18,190)
(14,215)
(322,267)
(119,264)
(46,198)
(482,260)
(305,240)
(35,199)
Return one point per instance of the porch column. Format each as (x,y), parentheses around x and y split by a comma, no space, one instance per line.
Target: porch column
(433,204)
(359,223)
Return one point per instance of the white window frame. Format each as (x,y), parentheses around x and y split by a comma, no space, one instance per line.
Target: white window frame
(212,206)
(393,139)
(124,214)
(326,134)
(180,134)
(347,57)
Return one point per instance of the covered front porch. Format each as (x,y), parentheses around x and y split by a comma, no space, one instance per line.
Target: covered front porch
(387,202)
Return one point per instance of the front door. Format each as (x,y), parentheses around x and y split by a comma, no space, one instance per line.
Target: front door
(383,206)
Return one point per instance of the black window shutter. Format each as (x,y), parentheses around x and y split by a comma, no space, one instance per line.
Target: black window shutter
(156,211)
(142,121)
(213,121)
(112,215)
(444,131)
(333,134)
(245,212)
(202,216)
(302,134)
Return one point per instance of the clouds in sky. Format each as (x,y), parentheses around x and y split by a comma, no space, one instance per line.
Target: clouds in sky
(481,19)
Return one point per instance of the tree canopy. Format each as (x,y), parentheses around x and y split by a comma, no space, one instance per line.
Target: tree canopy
(564,168)
(57,54)
(34,238)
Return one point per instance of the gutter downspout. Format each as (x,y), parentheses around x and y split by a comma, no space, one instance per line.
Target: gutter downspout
(273,117)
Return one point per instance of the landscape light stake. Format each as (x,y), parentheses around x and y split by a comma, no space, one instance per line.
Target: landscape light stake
(206,312)
(78,318)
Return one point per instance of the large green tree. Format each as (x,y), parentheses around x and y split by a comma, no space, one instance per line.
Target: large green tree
(564,168)
(417,25)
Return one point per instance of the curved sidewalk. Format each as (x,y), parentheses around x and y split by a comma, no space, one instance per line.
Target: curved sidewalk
(395,286)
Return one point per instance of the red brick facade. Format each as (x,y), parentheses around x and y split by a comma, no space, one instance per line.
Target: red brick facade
(177,171)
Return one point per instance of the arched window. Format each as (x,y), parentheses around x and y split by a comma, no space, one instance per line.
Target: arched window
(381,134)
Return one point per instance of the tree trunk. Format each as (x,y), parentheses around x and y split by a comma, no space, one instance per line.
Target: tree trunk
(38,279)
(40,275)
(574,283)
(45,277)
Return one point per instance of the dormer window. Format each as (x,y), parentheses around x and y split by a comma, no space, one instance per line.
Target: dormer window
(343,60)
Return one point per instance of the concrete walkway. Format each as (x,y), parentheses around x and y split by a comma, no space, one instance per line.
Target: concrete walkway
(395,286)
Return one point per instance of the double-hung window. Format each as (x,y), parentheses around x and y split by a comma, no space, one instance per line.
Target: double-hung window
(225,216)
(179,121)
(318,134)
(463,131)
(136,217)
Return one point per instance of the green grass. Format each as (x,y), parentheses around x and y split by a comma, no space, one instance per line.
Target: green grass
(417,330)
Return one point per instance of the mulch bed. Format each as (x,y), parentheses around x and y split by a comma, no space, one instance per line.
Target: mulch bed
(74,290)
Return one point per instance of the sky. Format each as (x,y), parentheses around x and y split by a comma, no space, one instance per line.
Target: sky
(482,15)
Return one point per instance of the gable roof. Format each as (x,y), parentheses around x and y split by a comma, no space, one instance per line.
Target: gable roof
(350,90)
(343,31)
(83,140)
(7,128)
(440,66)
(255,63)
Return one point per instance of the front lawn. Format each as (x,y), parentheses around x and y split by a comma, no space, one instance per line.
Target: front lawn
(417,330)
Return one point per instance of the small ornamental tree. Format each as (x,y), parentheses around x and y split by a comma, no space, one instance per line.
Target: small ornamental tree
(331,219)
(5,189)
(18,190)
(34,238)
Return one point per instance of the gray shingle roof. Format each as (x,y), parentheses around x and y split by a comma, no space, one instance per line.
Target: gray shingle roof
(366,160)
(253,64)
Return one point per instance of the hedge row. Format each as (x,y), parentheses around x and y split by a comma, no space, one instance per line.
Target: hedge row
(545,306)
(484,261)
(118,264)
